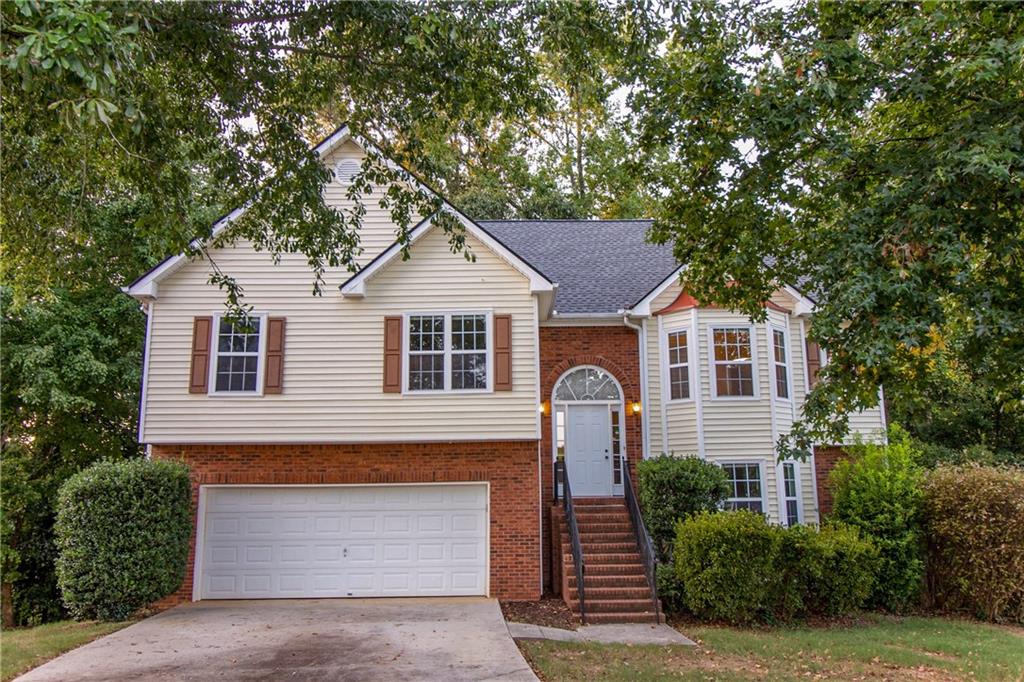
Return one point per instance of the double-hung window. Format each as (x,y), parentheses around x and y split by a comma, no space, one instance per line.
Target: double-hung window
(781,364)
(678,365)
(733,362)
(790,493)
(448,352)
(238,348)
(745,479)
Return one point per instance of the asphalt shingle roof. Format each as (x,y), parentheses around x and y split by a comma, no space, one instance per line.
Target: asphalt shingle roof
(601,266)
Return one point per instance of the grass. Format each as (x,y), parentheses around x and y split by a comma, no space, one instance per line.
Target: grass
(876,648)
(22,649)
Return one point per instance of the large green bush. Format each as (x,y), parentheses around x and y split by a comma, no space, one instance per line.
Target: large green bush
(828,572)
(672,488)
(974,518)
(725,563)
(123,536)
(878,490)
(736,567)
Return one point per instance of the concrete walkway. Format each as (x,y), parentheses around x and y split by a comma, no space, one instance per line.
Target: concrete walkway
(625,633)
(310,639)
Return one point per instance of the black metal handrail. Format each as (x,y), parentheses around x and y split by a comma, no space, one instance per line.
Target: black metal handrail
(643,538)
(562,475)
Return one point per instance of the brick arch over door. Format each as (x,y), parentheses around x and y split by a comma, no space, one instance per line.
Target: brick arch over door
(614,349)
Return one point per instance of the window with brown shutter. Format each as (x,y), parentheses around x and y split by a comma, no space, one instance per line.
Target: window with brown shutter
(393,354)
(502,352)
(199,374)
(273,374)
(813,362)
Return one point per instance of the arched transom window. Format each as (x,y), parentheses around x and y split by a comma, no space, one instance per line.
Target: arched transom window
(587,383)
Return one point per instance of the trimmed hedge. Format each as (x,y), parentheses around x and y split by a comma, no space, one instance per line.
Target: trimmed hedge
(878,490)
(974,517)
(735,567)
(123,533)
(672,488)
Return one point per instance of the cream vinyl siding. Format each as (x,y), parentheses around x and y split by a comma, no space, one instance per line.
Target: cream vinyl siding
(680,415)
(377,231)
(656,444)
(333,361)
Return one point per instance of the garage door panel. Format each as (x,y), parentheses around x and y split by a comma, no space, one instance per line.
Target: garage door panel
(344,541)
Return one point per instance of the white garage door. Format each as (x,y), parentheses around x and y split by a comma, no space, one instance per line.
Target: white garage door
(262,542)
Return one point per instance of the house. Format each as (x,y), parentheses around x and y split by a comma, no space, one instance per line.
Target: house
(397,436)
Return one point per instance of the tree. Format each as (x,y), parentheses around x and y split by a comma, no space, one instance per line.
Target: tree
(871,154)
(150,94)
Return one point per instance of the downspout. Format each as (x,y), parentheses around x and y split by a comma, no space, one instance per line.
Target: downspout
(642,350)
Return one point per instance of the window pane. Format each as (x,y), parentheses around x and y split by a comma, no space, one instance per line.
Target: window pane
(792,515)
(732,344)
(680,380)
(677,348)
(426,333)
(789,475)
(734,380)
(469,370)
(426,372)
(587,383)
(780,346)
(469,332)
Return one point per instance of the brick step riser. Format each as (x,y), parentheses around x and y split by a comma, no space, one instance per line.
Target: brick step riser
(593,559)
(585,528)
(597,538)
(608,548)
(614,605)
(592,581)
(597,618)
(624,570)
(597,594)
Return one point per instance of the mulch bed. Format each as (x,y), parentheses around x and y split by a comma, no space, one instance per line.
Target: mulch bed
(549,611)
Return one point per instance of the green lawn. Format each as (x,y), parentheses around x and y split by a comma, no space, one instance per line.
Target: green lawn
(25,648)
(878,648)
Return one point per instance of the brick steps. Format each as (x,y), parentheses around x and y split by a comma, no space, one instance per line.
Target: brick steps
(616,585)
(592,581)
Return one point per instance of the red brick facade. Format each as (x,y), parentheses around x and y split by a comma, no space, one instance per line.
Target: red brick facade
(825,458)
(614,349)
(509,466)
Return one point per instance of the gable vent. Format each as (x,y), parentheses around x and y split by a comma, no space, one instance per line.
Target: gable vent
(345,170)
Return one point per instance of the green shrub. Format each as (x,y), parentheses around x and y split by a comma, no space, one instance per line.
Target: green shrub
(672,488)
(735,567)
(670,589)
(974,519)
(878,490)
(828,572)
(123,536)
(725,563)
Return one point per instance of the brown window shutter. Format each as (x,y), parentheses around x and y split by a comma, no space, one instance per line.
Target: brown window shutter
(199,374)
(393,354)
(813,362)
(273,374)
(502,352)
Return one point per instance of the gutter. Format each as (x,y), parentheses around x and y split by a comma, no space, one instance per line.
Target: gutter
(641,333)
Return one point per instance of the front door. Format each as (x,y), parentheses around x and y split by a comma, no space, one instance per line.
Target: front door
(588,450)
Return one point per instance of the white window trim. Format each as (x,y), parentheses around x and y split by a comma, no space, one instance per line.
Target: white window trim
(261,355)
(789,362)
(667,374)
(447,314)
(783,498)
(712,364)
(762,465)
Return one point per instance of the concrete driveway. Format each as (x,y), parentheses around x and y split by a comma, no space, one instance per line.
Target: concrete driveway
(307,639)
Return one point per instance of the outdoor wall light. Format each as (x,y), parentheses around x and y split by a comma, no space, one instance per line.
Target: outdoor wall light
(544,407)
(635,406)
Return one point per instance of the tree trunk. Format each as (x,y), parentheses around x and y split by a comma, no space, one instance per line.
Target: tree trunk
(6,606)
